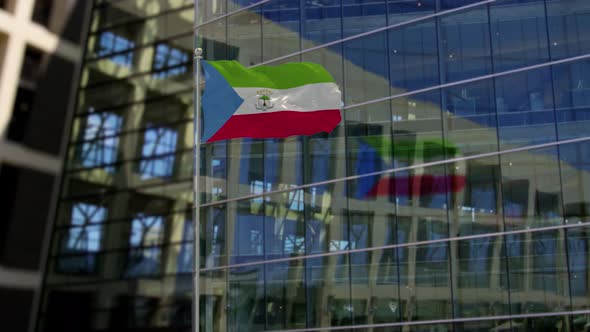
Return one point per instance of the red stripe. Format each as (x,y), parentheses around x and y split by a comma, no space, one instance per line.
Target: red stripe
(417,185)
(278,124)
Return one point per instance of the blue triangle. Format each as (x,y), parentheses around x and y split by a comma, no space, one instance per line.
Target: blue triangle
(219,102)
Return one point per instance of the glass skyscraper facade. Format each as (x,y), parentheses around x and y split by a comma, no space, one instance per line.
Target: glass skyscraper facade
(453,196)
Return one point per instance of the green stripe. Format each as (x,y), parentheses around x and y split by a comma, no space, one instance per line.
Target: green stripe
(286,76)
(407,149)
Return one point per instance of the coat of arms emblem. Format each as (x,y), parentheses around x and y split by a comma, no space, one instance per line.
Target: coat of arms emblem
(263,102)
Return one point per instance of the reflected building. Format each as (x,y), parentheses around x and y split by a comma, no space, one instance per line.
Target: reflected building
(480,109)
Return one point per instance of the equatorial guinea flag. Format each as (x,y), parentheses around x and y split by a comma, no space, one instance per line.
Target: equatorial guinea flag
(377,153)
(268,101)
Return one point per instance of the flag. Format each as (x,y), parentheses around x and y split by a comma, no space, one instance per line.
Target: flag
(268,101)
(375,154)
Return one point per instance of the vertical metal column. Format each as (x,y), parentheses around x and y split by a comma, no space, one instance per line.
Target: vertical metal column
(196,189)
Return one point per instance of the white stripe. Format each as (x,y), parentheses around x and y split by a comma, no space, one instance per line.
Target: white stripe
(305,98)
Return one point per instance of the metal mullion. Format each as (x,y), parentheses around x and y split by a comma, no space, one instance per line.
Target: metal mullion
(368,33)
(439,321)
(396,246)
(498,160)
(471,80)
(559,160)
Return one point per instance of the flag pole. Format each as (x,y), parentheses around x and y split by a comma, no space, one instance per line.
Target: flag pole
(196,191)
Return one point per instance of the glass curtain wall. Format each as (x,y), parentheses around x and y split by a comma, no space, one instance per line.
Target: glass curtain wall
(483,225)
(481,109)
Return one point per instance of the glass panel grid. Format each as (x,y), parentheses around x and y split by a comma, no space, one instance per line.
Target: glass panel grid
(491,239)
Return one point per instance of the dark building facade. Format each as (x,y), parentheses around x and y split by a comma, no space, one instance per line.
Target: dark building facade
(454,195)
(40,55)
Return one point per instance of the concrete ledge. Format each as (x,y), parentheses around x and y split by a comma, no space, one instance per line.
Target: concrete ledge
(20,155)
(23,279)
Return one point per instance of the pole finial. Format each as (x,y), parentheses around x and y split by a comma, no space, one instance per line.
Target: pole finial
(198,53)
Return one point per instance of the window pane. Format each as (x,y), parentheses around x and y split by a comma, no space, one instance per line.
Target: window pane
(285,295)
(245,33)
(578,250)
(413,57)
(280,28)
(465,45)
(362,16)
(470,118)
(525,109)
(83,240)
(567,23)
(403,10)
(575,164)
(519,34)
(365,69)
(322,22)
(145,239)
(370,148)
(158,147)
(531,189)
(479,271)
(477,206)
(101,144)
(109,43)
(169,61)
(428,295)
(572,98)
(538,273)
